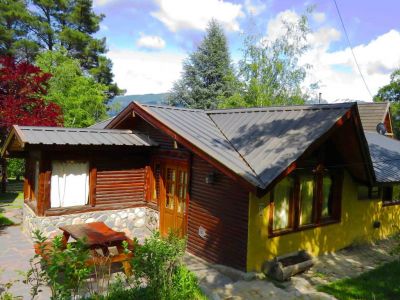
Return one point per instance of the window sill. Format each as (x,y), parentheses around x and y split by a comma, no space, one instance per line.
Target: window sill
(303,228)
(390,203)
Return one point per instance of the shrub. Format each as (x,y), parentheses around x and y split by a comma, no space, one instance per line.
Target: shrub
(64,270)
(158,266)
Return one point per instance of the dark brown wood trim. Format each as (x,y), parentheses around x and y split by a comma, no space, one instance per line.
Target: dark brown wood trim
(302,228)
(144,114)
(388,203)
(89,208)
(92,186)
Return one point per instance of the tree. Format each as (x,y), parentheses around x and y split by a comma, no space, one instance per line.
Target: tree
(80,97)
(50,25)
(207,75)
(22,90)
(269,71)
(391,93)
(14,28)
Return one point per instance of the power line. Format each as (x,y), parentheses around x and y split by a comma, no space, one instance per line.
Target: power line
(351,49)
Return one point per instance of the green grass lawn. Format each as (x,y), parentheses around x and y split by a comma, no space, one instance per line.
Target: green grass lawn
(381,283)
(10,200)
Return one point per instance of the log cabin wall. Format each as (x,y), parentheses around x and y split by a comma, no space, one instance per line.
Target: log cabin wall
(120,182)
(117,180)
(221,208)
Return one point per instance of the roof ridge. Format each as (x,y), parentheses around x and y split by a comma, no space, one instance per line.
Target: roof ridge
(230,143)
(173,107)
(281,108)
(73,129)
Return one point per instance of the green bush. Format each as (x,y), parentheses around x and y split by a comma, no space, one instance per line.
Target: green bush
(64,270)
(158,264)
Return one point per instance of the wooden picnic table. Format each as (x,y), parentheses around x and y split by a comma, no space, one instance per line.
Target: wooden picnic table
(98,235)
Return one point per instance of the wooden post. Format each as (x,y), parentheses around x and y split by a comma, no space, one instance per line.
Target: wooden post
(92,186)
(4,175)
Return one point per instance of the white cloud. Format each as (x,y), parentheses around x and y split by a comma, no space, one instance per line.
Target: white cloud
(335,70)
(104,27)
(97,3)
(145,72)
(276,28)
(319,17)
(150,42)
(195,14)
(339,75)
(254,7)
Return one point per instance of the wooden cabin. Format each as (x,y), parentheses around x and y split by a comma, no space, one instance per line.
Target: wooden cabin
(244,185)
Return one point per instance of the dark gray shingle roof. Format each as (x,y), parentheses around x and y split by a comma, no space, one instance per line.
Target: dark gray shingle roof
(256,143)
(199,129)
(102,124)
(385,155)
(80,136)
(272,138)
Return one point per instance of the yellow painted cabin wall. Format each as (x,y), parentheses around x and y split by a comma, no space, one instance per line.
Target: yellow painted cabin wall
(356,226)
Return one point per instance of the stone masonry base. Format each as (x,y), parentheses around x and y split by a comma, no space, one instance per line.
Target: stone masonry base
(136,222)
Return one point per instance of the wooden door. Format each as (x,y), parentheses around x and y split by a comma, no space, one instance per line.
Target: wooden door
(174,202)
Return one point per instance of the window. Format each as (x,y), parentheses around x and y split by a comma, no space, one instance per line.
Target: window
(69,183)
(283,196)
(327,210)
(368,193)
(391,194)
(304,200)
(155,183)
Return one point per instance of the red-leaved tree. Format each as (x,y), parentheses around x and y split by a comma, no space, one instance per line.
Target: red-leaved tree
(22,87)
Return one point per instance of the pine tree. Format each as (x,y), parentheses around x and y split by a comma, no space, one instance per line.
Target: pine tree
(55,24)
(15,21)
(207,75)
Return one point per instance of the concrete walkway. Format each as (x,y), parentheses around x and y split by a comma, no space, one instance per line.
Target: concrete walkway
(221,282)
(15,251)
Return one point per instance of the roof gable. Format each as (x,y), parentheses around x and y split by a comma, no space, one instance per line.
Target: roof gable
(271,139)
(372,114)
(257,144)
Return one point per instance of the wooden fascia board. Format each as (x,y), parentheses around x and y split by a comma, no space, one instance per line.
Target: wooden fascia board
(317,143)
(121,116)
(364,148)
(148,117)
(18,134)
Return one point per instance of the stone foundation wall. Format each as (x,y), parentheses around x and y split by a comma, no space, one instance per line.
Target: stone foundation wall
(135,222)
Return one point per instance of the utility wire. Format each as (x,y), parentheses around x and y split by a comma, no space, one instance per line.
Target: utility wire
(351,49)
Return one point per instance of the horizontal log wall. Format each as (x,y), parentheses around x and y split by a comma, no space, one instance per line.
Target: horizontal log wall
(221,209)
(120,182)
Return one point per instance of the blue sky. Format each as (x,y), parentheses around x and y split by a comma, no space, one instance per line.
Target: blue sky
(148,40)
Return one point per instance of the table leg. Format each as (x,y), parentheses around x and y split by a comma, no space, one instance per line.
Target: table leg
(65,238)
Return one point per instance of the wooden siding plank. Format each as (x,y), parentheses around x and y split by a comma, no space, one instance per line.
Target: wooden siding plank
(222,209)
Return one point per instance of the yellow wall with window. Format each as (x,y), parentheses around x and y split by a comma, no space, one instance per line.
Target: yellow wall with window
(356,226)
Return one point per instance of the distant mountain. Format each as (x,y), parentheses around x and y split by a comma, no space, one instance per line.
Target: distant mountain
(120,102)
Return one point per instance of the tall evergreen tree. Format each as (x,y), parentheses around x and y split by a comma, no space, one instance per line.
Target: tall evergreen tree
(207,75)
(15,21)
(55,24)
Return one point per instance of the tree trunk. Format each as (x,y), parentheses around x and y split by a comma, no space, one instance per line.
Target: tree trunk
(3,175)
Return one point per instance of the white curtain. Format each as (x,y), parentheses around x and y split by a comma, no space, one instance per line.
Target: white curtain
(69,183)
